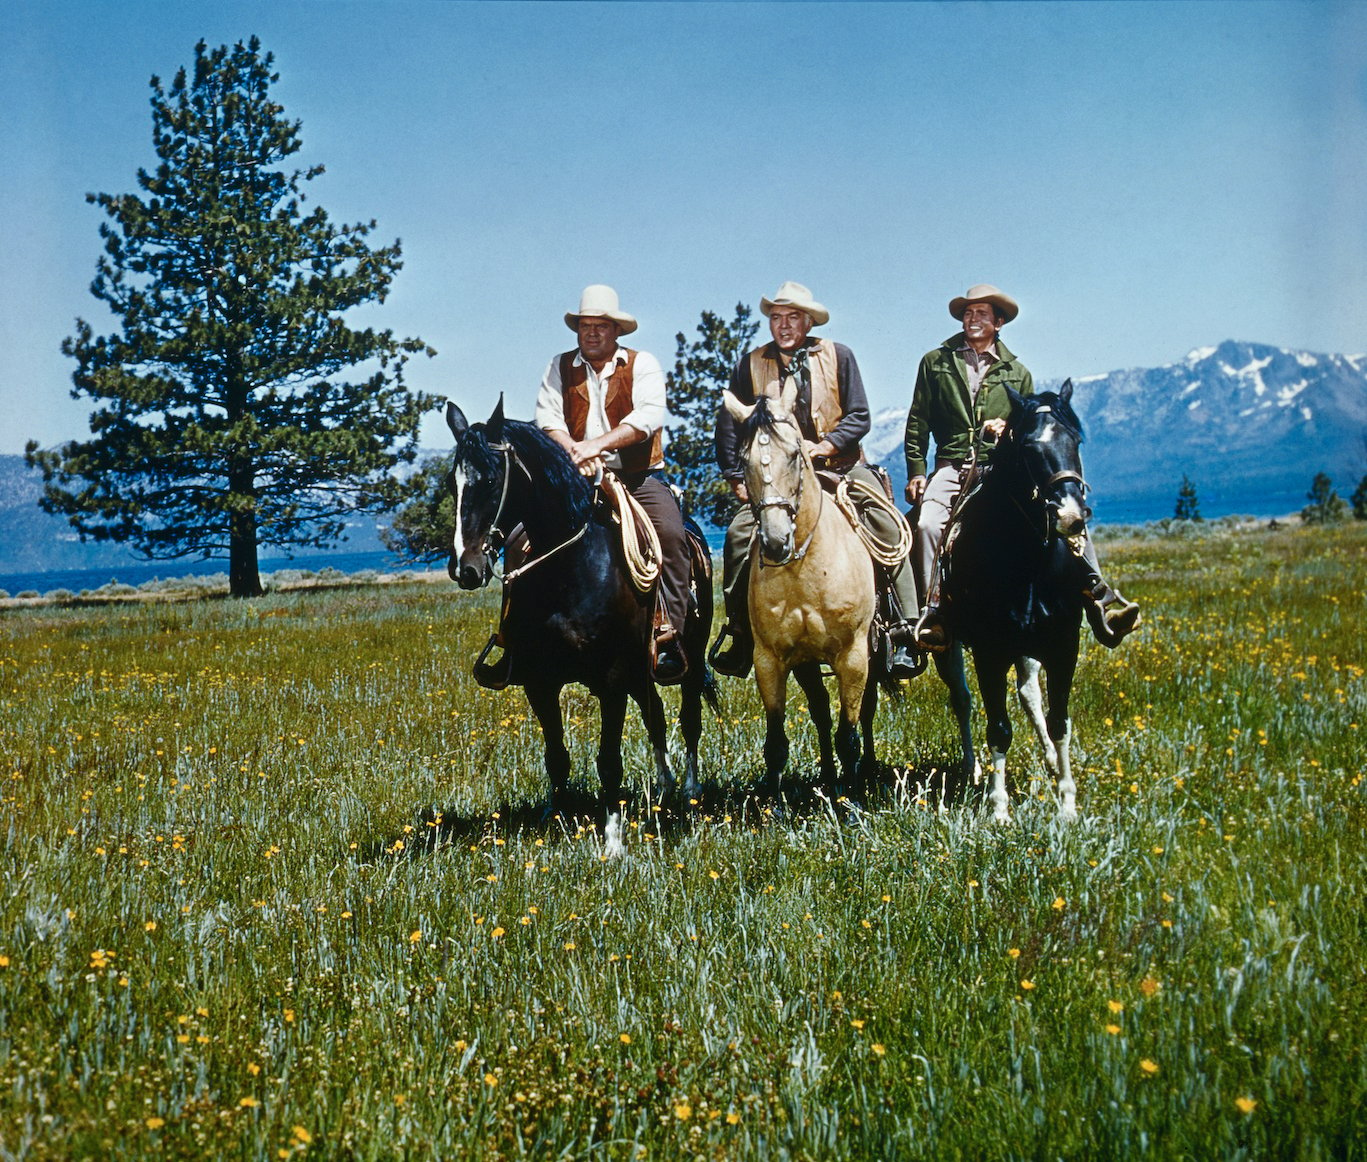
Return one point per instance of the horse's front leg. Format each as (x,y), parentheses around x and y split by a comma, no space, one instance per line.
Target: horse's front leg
(1032,702)
(851,675)
(1059,670)
(808,676)
(954,674)
(992,686)
(868,761)
(612,713)
(545,703)
(653,715)
(772,680)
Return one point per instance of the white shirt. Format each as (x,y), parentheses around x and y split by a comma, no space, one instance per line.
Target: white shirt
(647,413)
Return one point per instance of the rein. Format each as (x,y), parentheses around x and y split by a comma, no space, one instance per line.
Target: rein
(510,457)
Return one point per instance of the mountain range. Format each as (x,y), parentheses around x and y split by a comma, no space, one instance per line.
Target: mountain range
(1249,424)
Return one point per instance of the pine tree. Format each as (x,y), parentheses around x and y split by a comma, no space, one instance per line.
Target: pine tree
(1326,506)
(1188,506)
(423,529)
(702,369)
(1359,500)
(227,417)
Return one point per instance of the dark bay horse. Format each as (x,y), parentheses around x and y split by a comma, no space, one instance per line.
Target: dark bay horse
(1012,588)
(571,613)
(811,593)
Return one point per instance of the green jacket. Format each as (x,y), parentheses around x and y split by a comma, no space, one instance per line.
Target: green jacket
(940,404)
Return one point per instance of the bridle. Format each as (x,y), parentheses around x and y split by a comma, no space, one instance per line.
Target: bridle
(785,504)
(496,538)
(1045,491)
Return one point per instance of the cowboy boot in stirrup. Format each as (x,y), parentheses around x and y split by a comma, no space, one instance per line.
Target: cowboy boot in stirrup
(1110,615)
(734,661)
(669,665)
(931,632)
(905,660)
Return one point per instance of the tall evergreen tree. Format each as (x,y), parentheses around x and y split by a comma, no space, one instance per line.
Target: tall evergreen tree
(1188,506)
(1326,506)
(702,369)
(1359,500)
(227,414)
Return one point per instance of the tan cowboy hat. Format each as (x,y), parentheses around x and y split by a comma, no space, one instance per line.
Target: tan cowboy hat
(794,294)
(600,302)
(984,293)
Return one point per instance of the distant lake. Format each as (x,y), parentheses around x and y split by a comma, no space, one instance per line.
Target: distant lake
(1129,510)
(140,572)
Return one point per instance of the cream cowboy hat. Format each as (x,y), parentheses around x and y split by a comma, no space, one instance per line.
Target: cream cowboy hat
(600,302)
(984,293)
(794,294)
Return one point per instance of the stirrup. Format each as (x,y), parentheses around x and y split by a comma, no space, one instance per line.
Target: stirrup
(1111,631)
(735,660)
(493,675)
(931,634)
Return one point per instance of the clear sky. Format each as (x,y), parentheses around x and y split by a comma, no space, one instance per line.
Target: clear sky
(1144,177)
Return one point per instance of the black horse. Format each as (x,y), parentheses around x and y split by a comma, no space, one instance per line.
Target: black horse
(570,610)
(1012,589)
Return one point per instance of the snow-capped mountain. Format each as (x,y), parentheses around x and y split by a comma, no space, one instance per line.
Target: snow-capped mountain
(1248,423)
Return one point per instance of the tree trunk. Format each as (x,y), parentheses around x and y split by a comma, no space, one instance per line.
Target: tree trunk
(244,580)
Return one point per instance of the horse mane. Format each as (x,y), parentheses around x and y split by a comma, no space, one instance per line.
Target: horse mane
(560,487)
(760,420)
(1060,408)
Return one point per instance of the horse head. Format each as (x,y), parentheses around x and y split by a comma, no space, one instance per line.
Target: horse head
(478,485)
(775,464)
(1046,433)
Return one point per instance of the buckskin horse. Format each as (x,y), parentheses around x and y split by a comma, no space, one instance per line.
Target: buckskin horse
(1011,588)
(571,611)
(811,594)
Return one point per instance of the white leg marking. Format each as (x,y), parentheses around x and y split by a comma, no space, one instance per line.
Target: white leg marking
(613,847)
(997,796)
(1067,789)
(1032,702)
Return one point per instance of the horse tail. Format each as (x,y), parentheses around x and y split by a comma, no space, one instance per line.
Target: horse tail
(710,691)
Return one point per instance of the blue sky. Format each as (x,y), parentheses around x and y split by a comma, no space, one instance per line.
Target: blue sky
(1144,178)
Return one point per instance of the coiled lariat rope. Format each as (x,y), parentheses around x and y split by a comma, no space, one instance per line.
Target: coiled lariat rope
(640,543)
(884,554)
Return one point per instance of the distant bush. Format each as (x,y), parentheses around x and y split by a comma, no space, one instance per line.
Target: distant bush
(4,594)
(1326,506)
(28,594)
(61,595)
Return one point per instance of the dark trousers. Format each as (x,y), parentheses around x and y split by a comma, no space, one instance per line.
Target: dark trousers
(676,567)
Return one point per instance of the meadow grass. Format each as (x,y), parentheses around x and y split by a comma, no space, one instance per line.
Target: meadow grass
(268,898)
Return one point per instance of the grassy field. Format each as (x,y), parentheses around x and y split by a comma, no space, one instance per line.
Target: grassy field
(269,896)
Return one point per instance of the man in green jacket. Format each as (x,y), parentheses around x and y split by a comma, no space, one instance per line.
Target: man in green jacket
(960,396)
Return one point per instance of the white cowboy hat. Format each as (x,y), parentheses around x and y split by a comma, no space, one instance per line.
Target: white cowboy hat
(600,302)
(794,294)
(984,293)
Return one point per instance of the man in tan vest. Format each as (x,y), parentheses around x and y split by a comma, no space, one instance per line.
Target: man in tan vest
(605,405)
(833,413)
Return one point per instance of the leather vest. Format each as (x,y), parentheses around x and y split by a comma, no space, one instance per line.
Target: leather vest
(574,386)
(765,375)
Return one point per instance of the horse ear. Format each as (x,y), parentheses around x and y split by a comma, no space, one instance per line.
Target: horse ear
(1065,393)
(1017,401)
(738,411)
(787,398)
(494,428)
(455,419)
